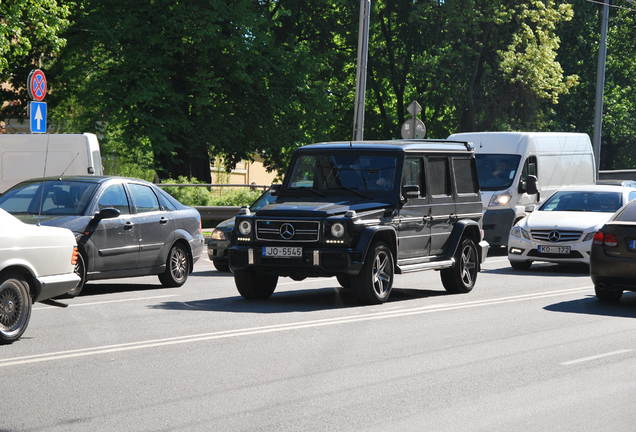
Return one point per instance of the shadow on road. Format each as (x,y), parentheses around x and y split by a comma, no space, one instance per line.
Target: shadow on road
(93,288)
(212,273)
(591,306)
(291,301)
(574,270)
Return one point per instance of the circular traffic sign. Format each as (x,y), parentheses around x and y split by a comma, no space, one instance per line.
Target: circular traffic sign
(37,85)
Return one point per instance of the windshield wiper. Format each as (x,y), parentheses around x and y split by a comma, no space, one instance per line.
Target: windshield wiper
(355,191)
(306,189)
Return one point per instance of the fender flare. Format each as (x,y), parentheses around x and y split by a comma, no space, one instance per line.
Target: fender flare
(459,228)
(368,236)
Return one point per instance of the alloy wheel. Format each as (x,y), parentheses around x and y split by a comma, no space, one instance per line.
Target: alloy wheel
(468,265)
(382,274)
(11,306)
(178,264)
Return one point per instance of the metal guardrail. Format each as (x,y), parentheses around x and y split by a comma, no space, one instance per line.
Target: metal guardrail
(213,185)
(622,174)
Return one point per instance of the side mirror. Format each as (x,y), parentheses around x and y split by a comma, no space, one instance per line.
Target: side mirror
(107,213)
(531,185)
(411,191)
(274,189)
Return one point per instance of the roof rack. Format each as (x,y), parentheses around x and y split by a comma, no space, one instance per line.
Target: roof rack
(468,144)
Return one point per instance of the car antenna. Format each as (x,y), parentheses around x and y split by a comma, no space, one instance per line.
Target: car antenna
(46,159)
(68,166)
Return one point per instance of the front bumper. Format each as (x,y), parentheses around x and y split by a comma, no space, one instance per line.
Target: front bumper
(218,251)
(56,285)
(529,251)
(496,225)
(315,261)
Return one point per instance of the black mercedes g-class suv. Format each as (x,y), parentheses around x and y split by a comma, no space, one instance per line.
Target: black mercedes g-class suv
(364,211)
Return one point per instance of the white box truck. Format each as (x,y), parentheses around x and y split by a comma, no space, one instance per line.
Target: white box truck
(507,160)
(23,156)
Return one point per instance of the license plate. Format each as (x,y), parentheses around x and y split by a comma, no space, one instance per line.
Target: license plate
(282,252)
(631,244)
(558,250)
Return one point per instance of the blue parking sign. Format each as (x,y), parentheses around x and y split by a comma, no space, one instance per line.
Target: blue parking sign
(37,117)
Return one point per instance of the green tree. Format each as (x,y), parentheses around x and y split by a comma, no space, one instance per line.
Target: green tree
(30,35)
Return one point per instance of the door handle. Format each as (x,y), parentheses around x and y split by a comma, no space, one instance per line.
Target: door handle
(129,225)
(163,220)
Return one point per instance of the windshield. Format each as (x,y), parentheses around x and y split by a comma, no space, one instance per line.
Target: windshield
(366,175)
(67,198)
(583,201)
(496,171)
(262,201)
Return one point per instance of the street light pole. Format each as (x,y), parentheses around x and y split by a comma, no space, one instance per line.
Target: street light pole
(600,84)
(361,74)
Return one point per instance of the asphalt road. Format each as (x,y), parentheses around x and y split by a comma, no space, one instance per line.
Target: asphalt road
(525,351)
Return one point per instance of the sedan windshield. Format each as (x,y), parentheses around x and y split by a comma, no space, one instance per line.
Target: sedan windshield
(584,201)
(48,198)
(496,171)
(364,175)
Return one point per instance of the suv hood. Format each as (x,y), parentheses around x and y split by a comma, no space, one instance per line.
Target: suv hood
(318,208)
(573,220)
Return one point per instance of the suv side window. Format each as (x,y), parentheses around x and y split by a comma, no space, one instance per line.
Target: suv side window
(114,197)
(439,176)
(143,198)
(413,174)
(465,176)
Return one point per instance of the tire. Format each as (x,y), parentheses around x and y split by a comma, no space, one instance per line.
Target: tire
(15,307)
(374,283)
(177,267)
(223,268)
(607,294)
(253,285)
(344,281)
(461,278)
(80,270)
(520,265)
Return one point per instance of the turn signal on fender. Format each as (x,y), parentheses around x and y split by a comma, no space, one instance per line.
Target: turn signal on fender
(74,256)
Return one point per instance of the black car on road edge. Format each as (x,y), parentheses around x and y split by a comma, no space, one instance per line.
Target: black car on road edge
(364,211)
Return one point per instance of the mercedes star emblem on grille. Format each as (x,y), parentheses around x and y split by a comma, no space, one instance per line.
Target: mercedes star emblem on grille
(554,236)
(287,231)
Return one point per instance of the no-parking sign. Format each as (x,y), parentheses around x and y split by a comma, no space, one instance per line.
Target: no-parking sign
(36,84)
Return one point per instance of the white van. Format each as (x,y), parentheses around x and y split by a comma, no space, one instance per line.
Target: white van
(505,160)
(23,156)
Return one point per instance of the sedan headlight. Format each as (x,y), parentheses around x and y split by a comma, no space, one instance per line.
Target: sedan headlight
(337,230)
(245,227)
(519,232)
(217,234)
(500,200)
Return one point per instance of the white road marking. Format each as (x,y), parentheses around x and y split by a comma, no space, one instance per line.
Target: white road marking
(153,343)
(595,357)
(108,301)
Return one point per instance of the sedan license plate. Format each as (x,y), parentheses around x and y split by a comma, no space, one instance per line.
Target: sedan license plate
(282,252)
(631,244)
(558,250)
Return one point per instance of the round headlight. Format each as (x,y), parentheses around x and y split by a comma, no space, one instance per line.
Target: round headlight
(245,228)
(337,230)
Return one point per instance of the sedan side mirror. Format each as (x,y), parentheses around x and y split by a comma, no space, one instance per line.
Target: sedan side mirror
(531,185)
(107,213)
(411,191)
(274,189)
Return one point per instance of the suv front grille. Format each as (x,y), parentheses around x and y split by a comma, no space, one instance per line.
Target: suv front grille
(287,230)
(556,236)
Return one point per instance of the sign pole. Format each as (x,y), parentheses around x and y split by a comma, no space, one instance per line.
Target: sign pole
(600,84)
(361,75)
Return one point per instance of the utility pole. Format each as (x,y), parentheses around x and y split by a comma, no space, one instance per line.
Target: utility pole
(600,84)
(361,74)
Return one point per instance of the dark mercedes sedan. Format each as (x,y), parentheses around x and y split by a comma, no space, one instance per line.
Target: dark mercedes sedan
(613,260)
(124,227)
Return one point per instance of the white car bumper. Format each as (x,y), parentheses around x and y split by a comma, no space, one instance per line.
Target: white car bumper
(522,249)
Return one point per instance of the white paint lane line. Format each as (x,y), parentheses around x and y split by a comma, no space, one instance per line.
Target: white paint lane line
(595,357)
(108,301)
(153,343)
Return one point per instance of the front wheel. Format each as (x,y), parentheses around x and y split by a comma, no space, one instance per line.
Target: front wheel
(375,281)
(254,285)
(15,307)
(80,270)
(462,276)
(177,267)
(344,281)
